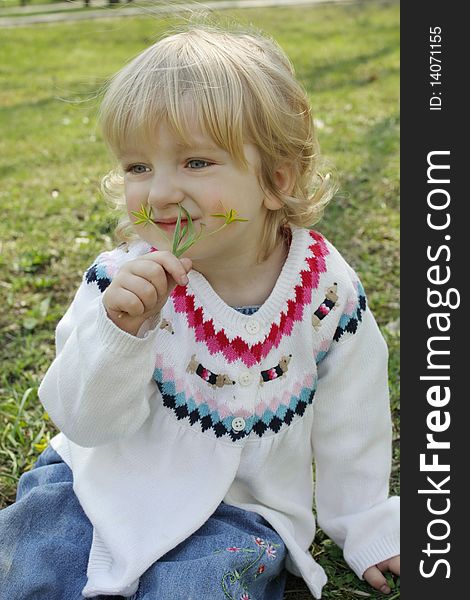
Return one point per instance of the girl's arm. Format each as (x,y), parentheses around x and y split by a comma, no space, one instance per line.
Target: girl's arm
(351,441)
(99,386)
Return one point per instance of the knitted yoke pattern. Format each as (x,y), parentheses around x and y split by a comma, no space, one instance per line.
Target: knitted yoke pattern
(211,404)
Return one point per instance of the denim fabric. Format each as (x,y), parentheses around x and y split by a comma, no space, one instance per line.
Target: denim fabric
(45,536)
(45,539)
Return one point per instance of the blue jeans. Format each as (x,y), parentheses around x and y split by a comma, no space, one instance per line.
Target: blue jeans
(45,539)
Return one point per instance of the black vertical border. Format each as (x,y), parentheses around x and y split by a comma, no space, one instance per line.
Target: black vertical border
(423,131)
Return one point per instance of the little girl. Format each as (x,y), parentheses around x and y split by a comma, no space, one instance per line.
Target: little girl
(194,393)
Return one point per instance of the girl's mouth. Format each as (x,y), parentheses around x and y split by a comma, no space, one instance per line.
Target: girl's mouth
(170,226)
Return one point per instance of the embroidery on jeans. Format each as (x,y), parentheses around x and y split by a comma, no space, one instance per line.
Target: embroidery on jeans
(278,371)
(251,568)
(212,378)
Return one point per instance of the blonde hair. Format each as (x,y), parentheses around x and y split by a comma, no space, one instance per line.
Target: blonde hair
(243,90)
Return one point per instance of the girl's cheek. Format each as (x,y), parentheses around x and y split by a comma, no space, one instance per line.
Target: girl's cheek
(135,195)
(214,203)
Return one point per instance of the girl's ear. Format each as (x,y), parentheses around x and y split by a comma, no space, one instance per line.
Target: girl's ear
(283,178)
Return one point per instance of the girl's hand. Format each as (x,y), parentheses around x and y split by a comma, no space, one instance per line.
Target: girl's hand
(141,288)
(373,575)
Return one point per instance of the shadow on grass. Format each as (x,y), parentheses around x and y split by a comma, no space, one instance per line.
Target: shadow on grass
(330,76)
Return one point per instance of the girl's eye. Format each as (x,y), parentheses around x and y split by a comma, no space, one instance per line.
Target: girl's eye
(197,163)
(136,169)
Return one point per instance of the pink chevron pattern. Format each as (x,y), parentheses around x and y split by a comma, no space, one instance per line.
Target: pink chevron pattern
(237,349)
(285,397)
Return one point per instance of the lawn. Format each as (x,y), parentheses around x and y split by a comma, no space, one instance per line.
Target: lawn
(24,7)
(54,220)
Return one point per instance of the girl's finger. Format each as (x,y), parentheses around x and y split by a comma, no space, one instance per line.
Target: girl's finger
(147,292)
(391,564)
(375,578)
(124,301)
(172,265)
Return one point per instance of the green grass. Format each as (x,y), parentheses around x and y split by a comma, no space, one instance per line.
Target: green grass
(54,220)
(34,6)
(13,3)
(67,11)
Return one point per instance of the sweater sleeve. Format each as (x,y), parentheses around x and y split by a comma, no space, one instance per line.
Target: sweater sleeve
(351,440)
(97,389)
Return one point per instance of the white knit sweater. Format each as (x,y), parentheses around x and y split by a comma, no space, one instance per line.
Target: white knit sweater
(213,405)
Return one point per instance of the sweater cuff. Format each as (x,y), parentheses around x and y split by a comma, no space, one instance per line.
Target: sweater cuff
(385,548)
(120,342)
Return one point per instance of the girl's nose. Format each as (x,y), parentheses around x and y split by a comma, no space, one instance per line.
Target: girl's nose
(165,189)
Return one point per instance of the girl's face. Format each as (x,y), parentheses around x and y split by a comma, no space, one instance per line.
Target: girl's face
(204,179)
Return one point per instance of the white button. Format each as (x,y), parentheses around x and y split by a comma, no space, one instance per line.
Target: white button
(252,326)
(245,378)
(238,424)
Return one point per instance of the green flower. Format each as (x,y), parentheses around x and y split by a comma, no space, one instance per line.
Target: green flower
(144,216)
(230,216)
(187,236)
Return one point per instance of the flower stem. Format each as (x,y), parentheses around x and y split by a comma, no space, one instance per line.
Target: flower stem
(184,238)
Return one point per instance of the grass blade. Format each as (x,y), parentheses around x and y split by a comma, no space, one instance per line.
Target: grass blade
(177,233)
